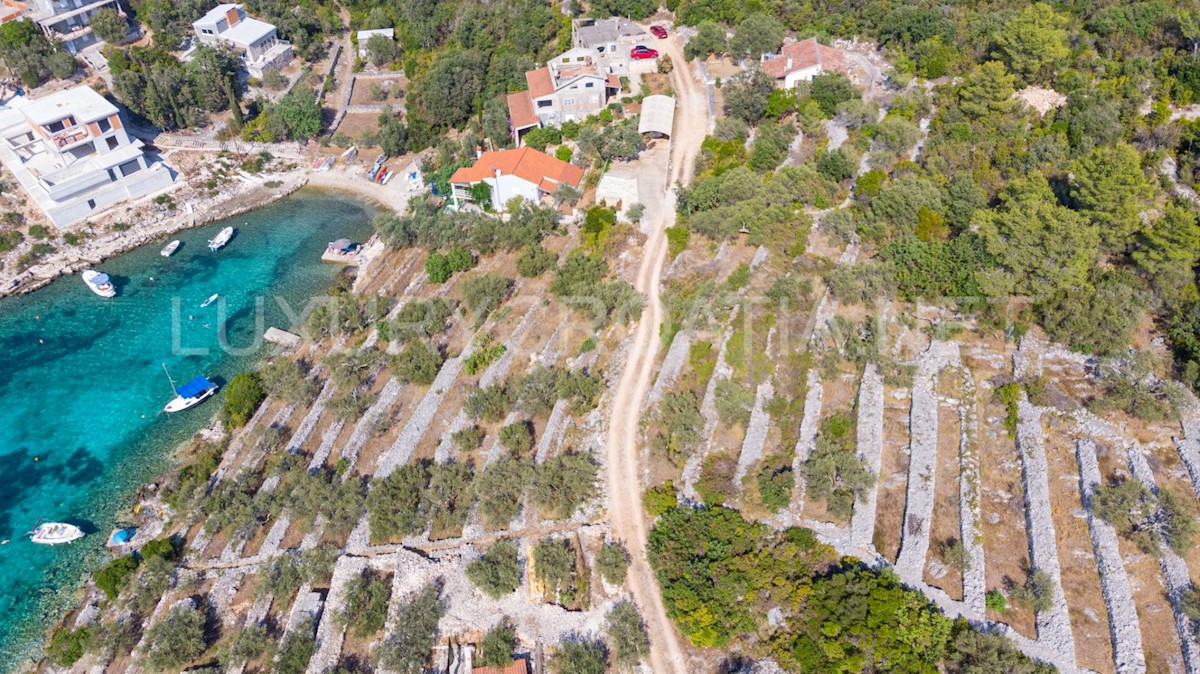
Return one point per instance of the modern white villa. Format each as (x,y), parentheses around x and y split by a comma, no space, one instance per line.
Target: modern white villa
(72,155)
(69,20)
(261,49)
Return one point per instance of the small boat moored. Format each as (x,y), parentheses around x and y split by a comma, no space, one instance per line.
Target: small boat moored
(99,283)
(222,238)
(211,298)
(190,394)
(343,250)
(55,533)
(169,249)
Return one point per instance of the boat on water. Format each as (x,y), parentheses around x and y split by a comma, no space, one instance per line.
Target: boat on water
(55,533)
(222,238)
(99,283)
(211,298)
(169,249)
(190,394)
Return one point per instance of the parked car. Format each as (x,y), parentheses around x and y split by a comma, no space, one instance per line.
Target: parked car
(659,32)
(642,52)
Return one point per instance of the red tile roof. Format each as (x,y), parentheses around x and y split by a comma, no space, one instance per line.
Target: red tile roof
(614,81)
(805,54)
(520,110)
(525,163)
(514,667)
(540,82)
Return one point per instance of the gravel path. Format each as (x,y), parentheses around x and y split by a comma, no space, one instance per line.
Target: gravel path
(365,428)
(805,443)
(1174,569)
(326,446)
(330,634)
(974,578)
(756,431)
(1114,582)
(1054,625)
(870,452)
(922,460)
(672,364)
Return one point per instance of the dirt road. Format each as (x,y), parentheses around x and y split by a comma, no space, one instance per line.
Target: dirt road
(624,455)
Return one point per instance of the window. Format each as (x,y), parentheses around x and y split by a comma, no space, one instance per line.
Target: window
(104,125)
(589,85)
(91,203)
(569,101)
(113,142)
(545,104)
(206,31)
(130,167)
(55,127)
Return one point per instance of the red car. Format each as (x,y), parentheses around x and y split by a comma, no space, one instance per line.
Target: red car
(659,32)
(640,52)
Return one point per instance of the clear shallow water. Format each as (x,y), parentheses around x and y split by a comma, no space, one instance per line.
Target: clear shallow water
(80,420)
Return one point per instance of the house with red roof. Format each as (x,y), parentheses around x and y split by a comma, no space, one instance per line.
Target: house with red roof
(572,86)
(802,61)
(524,173)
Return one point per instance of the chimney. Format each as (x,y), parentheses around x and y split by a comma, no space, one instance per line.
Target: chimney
(478,151)
(789,63)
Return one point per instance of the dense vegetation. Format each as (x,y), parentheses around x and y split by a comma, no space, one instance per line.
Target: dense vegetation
(1071,212)
(720,575)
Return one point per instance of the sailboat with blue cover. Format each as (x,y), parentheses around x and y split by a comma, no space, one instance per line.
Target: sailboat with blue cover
(190,394)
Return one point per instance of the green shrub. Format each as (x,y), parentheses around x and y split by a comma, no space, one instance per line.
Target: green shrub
(297,649)
(677,240)
(366,604)
(659,500)
(243,395)
(498,571)
(496,649)
(176,639)
(775,488)
(995,601)
(114,576)
(517,437)
(166,548)
(612,560)
(68,646)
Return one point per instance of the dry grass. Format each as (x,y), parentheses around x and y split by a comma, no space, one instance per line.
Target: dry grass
(893,473)
(947,523)
(1076,557)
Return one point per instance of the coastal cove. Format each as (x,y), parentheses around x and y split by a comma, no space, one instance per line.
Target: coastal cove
(82,383)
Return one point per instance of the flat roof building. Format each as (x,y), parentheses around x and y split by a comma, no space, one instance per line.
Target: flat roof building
(70,152)
(227,25)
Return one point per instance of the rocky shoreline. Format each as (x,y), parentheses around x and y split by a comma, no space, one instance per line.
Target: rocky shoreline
(73,260)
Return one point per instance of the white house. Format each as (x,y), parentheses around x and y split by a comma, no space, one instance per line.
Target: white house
(364,35)
(68,20)
(613,39)
(802,61)
(228,26)
(524,173)
(572,86)
(71,153)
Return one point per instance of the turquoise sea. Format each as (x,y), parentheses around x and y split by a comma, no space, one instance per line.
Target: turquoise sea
(82,383)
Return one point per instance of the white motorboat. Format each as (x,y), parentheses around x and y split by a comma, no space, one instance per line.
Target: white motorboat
(190,394)
(55,533)
(222,238)
(169,249)
(211,298)
(99,283)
